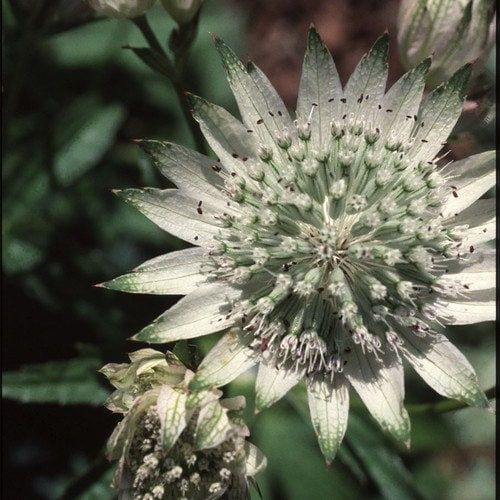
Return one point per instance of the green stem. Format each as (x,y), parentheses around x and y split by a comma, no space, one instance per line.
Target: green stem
(142,23)
(181,40)
(444,406)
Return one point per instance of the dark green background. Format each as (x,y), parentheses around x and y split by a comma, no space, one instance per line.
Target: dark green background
(74,100)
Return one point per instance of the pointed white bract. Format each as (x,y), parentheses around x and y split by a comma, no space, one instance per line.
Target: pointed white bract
(381,388)
(335,245)
(329,407)
(167,449)
(444,368)
(272,384)
(176,273)
(230,357)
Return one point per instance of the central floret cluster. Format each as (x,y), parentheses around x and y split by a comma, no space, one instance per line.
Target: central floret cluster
(342,241)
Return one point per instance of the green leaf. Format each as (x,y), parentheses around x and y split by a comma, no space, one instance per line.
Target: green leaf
(383,465)
(95,135)
(65,382)
(378,460)
(295,462)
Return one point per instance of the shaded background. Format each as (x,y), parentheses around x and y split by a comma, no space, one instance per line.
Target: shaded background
(74,100)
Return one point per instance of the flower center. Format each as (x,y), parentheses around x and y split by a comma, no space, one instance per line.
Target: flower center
(331,247)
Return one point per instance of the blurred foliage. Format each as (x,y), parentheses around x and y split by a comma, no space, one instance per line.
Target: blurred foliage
(74,101)
(65,382)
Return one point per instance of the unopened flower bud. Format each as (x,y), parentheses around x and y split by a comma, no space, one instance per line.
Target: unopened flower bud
(182,11)
(454,33)
(121,9)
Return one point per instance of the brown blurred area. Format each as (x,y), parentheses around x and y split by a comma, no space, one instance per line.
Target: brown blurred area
(277,33)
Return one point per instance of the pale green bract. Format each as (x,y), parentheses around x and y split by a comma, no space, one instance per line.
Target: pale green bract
(174,444)
(453,32)
(330,247)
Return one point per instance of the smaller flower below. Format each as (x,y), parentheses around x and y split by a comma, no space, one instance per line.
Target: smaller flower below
(121,9)
(172,443)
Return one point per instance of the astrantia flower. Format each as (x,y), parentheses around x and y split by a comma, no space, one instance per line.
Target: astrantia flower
(334,242)
(454,32)
(121,9)
(173,444)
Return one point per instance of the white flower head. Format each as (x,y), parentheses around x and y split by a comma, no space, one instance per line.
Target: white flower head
(365,245)
(121,9)
(451,32)
(173,443)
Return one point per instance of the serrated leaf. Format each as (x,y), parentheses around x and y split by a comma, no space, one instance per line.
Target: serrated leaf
(64,382)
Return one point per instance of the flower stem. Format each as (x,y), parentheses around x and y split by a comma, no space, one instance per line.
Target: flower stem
(174,76)
(444,406)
